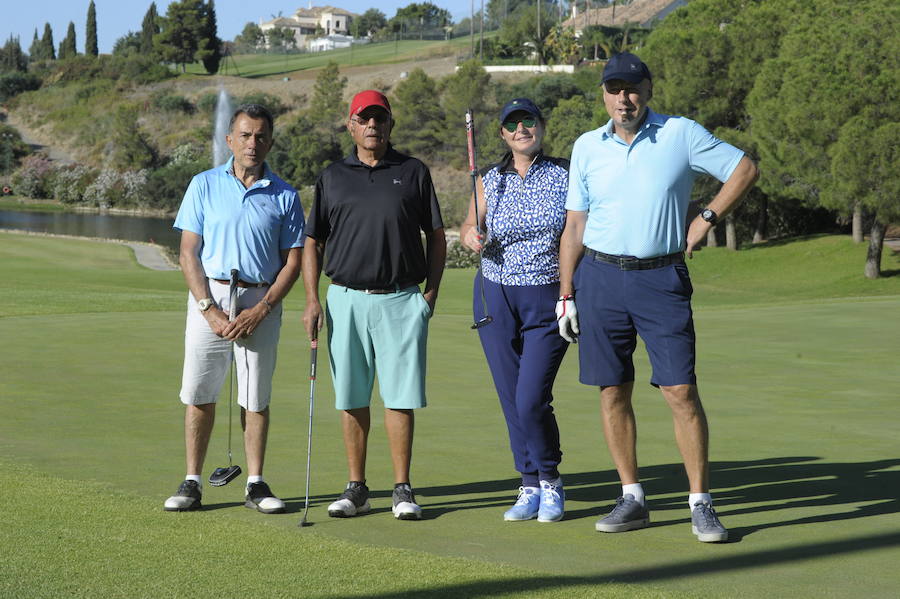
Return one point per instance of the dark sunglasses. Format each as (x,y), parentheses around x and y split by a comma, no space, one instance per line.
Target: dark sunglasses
(513,124)
(380,118)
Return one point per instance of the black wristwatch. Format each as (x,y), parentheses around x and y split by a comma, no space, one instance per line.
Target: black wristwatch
(709,216)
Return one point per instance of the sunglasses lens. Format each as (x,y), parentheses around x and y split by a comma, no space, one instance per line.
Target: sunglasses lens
(511,126)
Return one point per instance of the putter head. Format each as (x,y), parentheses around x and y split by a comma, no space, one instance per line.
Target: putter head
(483,322)
(222,476)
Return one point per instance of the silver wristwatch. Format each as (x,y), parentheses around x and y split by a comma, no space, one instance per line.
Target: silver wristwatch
(205,304)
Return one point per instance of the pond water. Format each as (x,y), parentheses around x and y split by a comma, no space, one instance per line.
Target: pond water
(109,226)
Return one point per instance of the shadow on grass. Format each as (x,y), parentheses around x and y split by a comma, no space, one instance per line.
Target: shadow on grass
(779,484)
(675,570)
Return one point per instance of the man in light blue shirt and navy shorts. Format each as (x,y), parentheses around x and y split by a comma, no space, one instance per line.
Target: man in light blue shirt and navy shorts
(237,216)
(622,274)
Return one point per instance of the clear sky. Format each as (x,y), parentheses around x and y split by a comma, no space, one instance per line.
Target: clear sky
(116,17)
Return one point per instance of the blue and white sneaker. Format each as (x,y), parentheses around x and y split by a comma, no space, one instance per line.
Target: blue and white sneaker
(526,506)
(552,501)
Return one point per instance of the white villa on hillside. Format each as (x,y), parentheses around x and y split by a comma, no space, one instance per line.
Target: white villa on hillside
(312,22)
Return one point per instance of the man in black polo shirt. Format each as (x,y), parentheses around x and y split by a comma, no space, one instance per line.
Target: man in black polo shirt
(371,209)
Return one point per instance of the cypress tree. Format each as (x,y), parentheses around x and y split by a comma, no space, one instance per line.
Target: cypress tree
(67,48)
(90,41)
(34,50)
(209,52)
(48,51)
(149,28)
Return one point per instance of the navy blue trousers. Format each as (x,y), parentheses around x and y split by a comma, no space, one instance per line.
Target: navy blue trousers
(524,351)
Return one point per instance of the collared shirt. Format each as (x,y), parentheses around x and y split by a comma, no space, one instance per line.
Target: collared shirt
(636,195)
(524,220)
(242,228)
(371,219)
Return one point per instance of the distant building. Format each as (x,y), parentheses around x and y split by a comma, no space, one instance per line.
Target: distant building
(639,12)
(312,22)
(330,42)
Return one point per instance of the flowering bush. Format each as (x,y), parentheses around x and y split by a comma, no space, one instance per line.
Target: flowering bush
(107,190)
(34,177)
(135,187)
(71,182)
(459,256)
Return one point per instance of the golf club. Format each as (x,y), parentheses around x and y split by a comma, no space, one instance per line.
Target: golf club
(313,346)
(222,476)
(470,134)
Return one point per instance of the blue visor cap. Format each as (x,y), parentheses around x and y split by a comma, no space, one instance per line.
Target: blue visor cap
(627,67)
(520,105)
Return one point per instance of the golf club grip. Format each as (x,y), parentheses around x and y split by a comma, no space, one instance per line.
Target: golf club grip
(470,138)
(232,294)
(314,348)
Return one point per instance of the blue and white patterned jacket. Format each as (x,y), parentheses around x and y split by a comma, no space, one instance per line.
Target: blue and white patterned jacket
(524,220)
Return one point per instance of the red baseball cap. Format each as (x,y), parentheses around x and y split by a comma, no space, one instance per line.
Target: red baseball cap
(367,98)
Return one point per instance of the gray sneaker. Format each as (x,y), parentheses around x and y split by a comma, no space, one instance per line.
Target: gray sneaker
(705,524)
(628,514)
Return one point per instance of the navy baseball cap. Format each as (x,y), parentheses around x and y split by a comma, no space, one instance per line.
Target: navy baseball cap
(626,66)
(520,104)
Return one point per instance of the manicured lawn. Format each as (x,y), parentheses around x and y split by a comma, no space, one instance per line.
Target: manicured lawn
(798,371)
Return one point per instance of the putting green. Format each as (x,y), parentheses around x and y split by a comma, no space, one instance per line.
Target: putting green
(801,397)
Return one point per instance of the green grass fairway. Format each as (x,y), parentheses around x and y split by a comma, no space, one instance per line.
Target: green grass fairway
(798,366)
(263,65)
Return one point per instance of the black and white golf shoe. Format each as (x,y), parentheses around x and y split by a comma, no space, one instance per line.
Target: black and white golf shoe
(187,498)
(405,506)
(352,502)
(259,497)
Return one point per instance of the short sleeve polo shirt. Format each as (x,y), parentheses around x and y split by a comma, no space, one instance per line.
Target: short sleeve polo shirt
(371,219)
(242,228)
(636,195)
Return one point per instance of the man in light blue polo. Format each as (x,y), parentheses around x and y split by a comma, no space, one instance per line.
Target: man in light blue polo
(622,253)
(237,216)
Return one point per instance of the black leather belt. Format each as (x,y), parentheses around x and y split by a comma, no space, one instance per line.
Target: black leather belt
(632,263)
(376,290)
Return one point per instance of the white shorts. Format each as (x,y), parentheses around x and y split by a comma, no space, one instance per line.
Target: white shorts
(207,356)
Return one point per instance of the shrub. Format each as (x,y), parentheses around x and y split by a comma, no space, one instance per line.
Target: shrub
(14,83)
(172,103)
(273,103)
(107,190)
(70,183)
(12,148)
(34,177)
(459,256)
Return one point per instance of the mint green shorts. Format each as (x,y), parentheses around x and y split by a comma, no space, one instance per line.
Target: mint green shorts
(383,334)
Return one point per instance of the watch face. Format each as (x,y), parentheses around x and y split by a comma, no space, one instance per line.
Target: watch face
(708,215)
(205,304)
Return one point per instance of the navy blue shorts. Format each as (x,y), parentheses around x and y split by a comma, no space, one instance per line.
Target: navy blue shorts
(614,306)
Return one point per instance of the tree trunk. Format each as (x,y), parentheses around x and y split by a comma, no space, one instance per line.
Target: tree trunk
(857,223)
(711,240)
(876,244)
(731,240)
(762,222)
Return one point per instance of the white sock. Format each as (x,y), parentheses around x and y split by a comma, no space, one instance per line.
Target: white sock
(695,497)
(195,478)
(254,479)
(635,489)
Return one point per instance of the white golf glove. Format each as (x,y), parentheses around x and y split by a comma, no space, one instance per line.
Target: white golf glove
(567,318)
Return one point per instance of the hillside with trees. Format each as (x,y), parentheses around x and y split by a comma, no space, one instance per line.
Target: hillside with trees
(808,88)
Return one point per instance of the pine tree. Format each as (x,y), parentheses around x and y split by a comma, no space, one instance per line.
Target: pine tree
(90,41)
(67,47)
(11,57)
(149,28)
